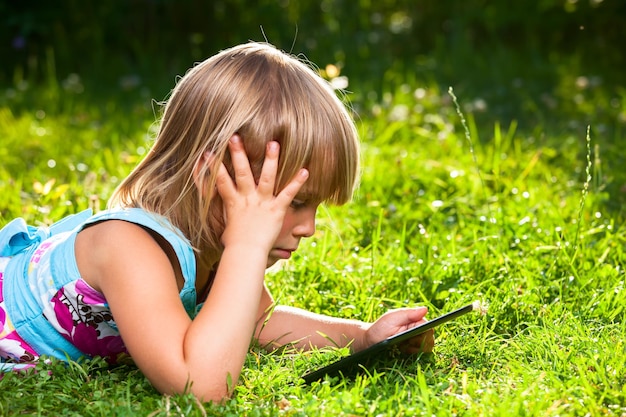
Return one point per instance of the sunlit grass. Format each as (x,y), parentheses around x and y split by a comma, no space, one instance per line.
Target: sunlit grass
(516,223)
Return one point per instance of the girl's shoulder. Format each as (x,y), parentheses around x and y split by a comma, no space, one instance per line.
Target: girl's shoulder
(113,246)
(158,226)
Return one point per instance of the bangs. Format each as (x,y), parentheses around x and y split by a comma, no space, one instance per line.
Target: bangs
(332,176)
(330,156)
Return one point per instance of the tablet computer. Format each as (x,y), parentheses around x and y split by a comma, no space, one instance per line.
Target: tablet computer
(350,364)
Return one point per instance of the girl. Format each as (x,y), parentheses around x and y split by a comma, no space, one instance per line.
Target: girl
(251,141)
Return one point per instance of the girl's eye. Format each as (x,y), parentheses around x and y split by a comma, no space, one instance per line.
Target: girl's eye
(297,204)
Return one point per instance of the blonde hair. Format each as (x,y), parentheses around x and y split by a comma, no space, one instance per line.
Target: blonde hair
(262,94)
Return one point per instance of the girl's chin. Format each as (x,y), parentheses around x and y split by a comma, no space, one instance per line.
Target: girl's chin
(273,262)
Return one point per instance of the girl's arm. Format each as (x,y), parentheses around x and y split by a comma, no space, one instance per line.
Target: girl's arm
(132,270)
(203,356)
(283,325)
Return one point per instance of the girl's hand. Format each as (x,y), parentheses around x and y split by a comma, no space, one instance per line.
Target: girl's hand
(253,214)
(396,321)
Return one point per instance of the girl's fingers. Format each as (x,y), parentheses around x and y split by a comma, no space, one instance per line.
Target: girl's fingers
(244,183)
(422,343)
(267,180)
(289,193)
(224,183)
(241,165)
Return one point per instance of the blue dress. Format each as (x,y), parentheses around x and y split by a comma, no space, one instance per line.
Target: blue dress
(47,309)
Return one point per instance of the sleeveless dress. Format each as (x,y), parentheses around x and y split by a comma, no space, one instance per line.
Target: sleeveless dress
(47,309)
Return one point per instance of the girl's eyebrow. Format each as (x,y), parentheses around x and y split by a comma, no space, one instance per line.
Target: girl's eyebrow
(307,195)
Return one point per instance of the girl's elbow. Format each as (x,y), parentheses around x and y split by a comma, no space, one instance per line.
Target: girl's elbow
(214,394)
(205,391)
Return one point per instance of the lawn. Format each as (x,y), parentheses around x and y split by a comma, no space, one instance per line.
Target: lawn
(465,195)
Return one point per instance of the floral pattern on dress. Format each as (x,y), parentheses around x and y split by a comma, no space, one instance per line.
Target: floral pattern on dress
(12,346)
(82,316)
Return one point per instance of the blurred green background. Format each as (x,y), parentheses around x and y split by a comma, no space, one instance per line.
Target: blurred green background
(465,43)
(553,67)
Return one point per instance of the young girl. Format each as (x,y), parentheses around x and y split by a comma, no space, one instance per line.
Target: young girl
(250,143)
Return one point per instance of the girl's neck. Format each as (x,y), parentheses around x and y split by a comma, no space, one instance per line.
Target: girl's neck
(206,264)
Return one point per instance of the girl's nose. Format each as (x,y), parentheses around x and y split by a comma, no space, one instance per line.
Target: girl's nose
(306,223)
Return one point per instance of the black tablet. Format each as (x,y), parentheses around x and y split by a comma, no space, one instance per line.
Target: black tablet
(350,363)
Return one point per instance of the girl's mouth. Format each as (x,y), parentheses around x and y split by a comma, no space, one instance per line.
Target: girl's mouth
(281,253)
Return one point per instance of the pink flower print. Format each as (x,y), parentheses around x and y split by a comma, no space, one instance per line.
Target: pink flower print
(17,348)
(88,340)
(11,344)
(83,323)
(3,317)
(90,296)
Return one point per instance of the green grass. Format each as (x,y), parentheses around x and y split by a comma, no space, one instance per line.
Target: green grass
(503,212)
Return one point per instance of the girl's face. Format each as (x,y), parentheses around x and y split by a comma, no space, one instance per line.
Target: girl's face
(299,222)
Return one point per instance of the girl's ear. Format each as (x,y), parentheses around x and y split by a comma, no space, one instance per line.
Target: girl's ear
(201,173)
